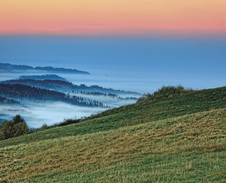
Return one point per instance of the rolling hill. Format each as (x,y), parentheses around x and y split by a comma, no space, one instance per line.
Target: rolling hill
(173,139)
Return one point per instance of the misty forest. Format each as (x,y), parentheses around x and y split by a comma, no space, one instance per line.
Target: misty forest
(47,93)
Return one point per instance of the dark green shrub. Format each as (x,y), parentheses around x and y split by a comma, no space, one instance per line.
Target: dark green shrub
(68,122)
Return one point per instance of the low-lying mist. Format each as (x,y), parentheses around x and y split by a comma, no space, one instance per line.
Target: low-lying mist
(109,101)
(37,114)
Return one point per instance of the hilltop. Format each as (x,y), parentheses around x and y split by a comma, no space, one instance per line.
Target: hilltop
(180,138)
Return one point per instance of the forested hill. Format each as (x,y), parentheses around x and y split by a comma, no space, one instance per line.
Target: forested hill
(65,86)
(57,85)
(19,91)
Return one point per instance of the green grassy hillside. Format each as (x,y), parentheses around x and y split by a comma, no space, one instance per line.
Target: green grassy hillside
(178,139)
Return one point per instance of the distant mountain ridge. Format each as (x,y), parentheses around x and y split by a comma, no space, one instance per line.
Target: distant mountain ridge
(6,67)
(42,77)
(65,86)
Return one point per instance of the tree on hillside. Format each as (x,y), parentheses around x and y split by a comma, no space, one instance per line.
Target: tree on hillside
(18,119)
(13,128)
(7,129)
(20,129)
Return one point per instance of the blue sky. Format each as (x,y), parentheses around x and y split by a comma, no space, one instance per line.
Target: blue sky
(198,63)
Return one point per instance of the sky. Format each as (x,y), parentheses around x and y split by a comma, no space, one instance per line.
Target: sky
(147,42)
(113,17)
(136,64)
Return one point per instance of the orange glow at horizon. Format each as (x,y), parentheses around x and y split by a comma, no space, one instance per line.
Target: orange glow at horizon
(88,17)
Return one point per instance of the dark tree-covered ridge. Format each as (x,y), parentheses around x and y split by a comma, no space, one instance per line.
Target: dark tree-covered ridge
(27,92)
(65,86)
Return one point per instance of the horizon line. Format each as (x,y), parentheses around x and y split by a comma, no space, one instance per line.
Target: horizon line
(122,35)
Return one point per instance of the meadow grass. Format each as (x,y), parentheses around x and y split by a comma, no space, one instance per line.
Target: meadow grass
(132,115)
(174,140)
(186,148)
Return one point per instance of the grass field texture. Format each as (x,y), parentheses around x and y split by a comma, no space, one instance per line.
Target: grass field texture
(179,139)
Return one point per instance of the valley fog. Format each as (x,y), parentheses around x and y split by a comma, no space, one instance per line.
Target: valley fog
(38,113)
(119,82)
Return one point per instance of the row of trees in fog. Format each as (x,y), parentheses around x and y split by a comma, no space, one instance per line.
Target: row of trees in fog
(4,100)
(108,95)
(99,94)
(33,93)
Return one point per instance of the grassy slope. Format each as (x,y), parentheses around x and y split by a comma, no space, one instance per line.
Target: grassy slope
(178,139)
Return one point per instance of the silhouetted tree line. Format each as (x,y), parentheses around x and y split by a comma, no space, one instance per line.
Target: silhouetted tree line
(13,128)
(163,93)
(23,91)
(85,102)
(99,94)
(109,95)
(28,92)
(127,98)
(4,100)
(60,85)
(51,84)
(47,83)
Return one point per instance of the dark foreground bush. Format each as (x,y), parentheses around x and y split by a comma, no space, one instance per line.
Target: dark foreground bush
(13,128)
(68,122)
